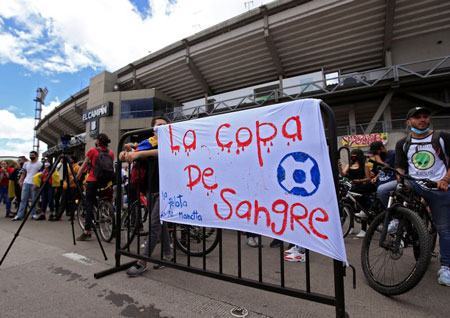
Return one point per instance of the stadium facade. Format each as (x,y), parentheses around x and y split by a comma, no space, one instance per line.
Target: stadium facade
(369,60)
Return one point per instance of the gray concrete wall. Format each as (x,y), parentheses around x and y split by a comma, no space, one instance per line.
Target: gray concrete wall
(421,47)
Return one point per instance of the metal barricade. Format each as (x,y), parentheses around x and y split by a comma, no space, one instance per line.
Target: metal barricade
(337,300)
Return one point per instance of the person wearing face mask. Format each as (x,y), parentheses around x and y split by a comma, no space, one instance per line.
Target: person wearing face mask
(92,185)
(30,168)
(148,148)
(424,153)
(16,178)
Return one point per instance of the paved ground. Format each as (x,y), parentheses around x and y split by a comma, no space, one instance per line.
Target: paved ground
(39,279)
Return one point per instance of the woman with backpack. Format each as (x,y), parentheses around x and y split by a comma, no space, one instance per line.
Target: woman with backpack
(100,162)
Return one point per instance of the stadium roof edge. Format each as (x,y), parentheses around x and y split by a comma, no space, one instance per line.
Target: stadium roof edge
(222,27)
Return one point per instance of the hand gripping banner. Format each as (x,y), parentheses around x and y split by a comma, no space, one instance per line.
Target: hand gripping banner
(264,170)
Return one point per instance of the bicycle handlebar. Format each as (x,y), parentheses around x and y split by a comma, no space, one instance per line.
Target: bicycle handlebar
(427,182)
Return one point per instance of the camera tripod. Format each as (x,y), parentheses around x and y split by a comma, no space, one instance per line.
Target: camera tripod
(63,158)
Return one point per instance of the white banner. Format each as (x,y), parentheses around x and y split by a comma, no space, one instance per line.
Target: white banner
(264,170)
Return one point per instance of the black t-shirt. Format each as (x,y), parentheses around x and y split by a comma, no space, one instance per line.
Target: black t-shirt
(15,176)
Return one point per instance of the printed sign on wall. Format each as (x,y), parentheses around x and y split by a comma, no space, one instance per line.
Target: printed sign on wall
(264,170)
(363,140)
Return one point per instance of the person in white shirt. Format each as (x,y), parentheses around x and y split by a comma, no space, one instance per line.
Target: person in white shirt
(30,168)
(425,153)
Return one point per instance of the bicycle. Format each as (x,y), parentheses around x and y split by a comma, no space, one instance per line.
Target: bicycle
(189,239)
(399,242)
(103,213)
(349,206)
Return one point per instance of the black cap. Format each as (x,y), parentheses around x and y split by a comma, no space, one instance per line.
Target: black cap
(416,110)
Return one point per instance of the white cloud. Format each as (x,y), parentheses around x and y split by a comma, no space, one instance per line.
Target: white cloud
(16,133)
(14,127)
(11,148)
(46,109)
(68,35)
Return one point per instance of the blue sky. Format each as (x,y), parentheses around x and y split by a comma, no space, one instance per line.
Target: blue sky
(62,44)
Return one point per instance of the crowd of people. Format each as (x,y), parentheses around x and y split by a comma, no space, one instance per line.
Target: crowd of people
(424,153)
(21,180)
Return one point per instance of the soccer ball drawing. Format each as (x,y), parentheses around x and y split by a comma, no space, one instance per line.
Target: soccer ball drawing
(298,174)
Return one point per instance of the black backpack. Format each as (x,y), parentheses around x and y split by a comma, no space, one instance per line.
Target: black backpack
(104,167)
(435,142)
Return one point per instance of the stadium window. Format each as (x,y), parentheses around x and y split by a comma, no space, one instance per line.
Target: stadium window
(332,78)
(136,108)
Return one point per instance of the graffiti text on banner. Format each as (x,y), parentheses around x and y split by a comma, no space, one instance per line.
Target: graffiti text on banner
(264,170)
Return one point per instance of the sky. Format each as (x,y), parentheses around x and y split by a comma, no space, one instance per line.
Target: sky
(61,44)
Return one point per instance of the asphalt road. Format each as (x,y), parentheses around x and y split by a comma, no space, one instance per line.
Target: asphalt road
(45,276)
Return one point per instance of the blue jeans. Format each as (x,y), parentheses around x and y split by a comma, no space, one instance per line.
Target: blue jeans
(4,197)
(439,203)
(28,192)
(384,190)
(47,198)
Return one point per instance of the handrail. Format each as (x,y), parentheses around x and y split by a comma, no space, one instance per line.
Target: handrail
(356,81)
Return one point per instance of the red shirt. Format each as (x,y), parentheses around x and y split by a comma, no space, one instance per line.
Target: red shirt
(4,180)
(92,154)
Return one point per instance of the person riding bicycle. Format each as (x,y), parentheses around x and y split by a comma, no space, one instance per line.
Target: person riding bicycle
(92,184)
(424,153)
(145,149)
(359,174)
(385,181)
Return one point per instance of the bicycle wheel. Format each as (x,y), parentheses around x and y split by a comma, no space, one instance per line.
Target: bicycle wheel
(81,215)
(106,220)
(397,264)
(346,212)
(189,239)
(133,222)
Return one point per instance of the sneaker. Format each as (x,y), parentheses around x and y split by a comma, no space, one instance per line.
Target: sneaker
(84,237)
(295,257)
(137,269)
(361,234)
(444,276)
(392,227)
(293,249)
(41,217)
(252,242)
(361,214)
(16,218)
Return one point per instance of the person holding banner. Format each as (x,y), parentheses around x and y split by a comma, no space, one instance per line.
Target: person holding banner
(148,148)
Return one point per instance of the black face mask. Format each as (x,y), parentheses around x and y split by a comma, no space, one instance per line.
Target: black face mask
(353,159)
(383,155)
(32,158)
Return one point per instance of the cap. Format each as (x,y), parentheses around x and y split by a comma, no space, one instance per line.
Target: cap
(419,109)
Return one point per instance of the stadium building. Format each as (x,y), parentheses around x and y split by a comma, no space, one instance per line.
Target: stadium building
(369,60)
